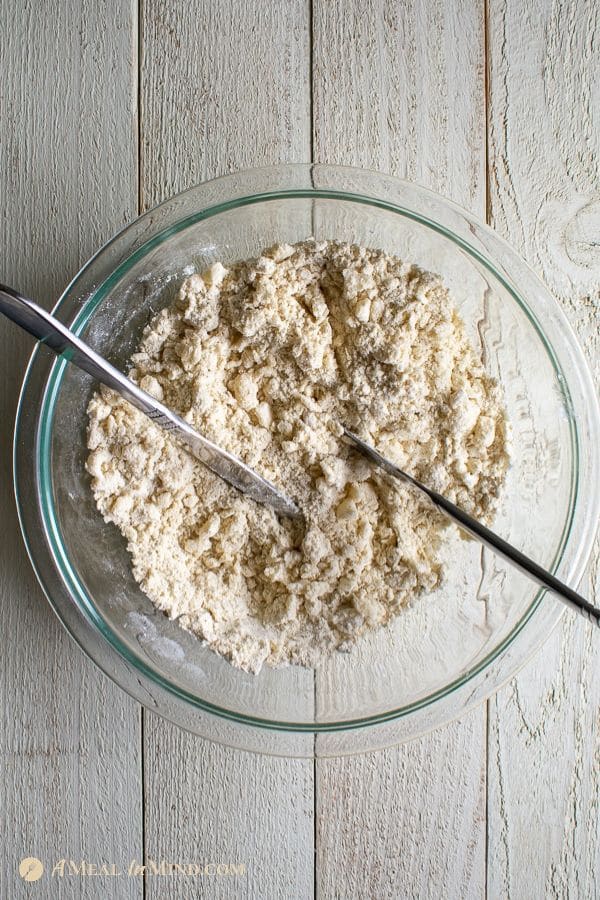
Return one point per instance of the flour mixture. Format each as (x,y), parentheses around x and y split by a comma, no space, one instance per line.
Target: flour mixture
(267,357)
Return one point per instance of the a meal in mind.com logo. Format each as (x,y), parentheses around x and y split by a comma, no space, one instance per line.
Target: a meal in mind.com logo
(30,868)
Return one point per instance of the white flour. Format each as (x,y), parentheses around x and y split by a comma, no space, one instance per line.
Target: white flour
(267,358)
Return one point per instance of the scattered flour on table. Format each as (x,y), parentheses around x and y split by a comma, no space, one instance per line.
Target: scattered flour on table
(267,358)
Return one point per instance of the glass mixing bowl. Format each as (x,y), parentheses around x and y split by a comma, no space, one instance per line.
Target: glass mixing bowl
(449,650)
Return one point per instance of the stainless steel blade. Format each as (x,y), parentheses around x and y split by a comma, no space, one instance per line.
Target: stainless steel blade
(58,337)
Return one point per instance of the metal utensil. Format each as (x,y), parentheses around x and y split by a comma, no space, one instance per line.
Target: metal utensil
(58,337)
(481,533)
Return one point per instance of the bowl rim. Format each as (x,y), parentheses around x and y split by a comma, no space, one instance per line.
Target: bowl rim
(52,386)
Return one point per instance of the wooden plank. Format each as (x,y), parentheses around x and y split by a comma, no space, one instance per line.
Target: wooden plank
(400,87)
(544,772)
(224,86)
(70,745)
(213,805)
(405,822)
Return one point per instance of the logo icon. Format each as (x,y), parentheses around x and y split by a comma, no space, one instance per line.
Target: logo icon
(30,868)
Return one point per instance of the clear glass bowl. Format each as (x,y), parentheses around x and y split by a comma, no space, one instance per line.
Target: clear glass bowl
(452,648)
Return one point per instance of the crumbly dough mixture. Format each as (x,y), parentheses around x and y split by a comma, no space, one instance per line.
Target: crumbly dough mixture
(267,358)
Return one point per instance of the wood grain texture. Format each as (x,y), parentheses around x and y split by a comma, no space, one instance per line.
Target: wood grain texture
(544,764)
(224,86)
(405,822)
(70,740)
(400,87)
(209,804)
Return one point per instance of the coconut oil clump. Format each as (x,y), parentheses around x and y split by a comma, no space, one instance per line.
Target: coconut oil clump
(267,357)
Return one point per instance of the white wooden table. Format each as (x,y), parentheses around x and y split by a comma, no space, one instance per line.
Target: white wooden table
(107,107)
